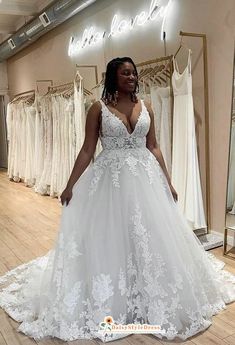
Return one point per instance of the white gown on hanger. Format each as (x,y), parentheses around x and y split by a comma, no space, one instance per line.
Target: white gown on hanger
(185,168)
(43,181)
(161,104)
(11,139)
(29,176)
(123,249)
(79,114)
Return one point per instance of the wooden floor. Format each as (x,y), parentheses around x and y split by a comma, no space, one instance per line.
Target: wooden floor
(28,225)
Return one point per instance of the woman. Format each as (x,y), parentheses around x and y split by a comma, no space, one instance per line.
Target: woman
(123,250)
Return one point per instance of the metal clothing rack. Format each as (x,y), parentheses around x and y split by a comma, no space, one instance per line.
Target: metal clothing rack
(149,62)
(23,93)
(43,81)
(59,86)
(90,66)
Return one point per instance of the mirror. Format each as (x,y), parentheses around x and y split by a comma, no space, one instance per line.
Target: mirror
(230,202)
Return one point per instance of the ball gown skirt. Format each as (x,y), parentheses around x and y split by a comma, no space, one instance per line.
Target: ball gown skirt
(123,249)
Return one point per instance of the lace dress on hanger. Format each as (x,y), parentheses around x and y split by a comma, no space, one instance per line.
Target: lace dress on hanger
(43,183)
(123,249)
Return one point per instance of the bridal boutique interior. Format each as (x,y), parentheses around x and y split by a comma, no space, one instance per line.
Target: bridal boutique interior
(52,72)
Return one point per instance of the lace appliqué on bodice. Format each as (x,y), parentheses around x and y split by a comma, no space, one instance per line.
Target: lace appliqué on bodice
(121,148)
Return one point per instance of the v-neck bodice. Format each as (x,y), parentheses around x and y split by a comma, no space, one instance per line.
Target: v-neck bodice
(115,133)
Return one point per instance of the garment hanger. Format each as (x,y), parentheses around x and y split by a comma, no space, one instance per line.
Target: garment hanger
(22,94)
(143,71)
(101,82)
(182,45)
(155,70)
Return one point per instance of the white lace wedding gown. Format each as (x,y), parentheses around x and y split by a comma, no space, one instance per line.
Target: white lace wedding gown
(123,249)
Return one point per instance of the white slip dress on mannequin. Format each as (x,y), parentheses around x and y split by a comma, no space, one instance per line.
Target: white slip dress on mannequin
(185,168)
(123,249)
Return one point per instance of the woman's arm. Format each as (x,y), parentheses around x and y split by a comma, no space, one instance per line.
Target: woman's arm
(89,145)
(152,145)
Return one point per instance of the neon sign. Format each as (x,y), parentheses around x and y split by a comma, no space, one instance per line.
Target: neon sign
(90,36)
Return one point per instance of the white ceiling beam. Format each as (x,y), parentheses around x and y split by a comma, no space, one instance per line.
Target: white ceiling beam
(17,8)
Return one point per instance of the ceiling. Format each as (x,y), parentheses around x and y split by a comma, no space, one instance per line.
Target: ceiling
(15,13)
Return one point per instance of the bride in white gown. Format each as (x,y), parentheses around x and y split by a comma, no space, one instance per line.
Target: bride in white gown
(124,248)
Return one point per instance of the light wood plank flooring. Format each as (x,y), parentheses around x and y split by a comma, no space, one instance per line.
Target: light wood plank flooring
(28,226)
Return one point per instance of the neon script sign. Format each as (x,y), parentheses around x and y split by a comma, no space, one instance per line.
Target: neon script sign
(90,36)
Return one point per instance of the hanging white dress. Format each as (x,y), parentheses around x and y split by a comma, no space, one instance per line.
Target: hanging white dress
(161,104)
(29,176)
(79,113)
(124,249)
(10,138)
(56,147)
(157,109)
(16,137)
(69,110)
(39,157)
(65,142)
(43,183)
(185,168)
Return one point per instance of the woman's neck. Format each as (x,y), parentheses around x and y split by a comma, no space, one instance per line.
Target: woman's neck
(123,96)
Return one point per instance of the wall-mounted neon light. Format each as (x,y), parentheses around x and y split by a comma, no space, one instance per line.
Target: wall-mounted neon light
(90,36)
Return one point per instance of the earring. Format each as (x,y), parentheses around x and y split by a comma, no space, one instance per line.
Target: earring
(134,97)
(115,96)
(109,98)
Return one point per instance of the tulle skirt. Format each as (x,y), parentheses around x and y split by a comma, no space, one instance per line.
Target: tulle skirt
(124,250)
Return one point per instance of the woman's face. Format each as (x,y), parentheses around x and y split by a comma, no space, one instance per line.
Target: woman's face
(126,77)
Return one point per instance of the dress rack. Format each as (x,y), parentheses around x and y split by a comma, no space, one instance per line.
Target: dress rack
(90,66)
(43,81)
(18,95)
(59,86)
(24,93)
(149,62)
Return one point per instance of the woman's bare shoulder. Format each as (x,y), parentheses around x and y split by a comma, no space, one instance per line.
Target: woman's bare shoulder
(96,106)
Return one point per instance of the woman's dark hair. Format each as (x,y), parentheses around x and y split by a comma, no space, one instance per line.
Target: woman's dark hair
(110,85)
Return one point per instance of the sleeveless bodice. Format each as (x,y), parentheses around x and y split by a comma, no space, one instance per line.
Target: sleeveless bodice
(182,82)
(115,134)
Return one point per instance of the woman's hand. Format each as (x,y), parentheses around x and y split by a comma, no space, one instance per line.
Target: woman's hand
(66,196)
(174,193)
